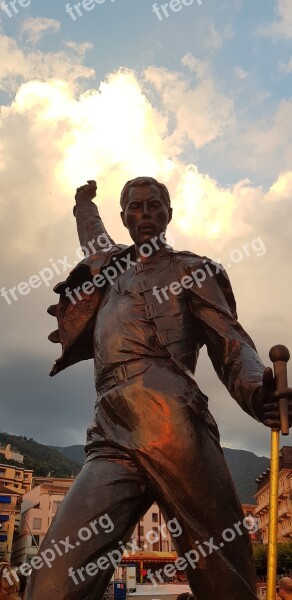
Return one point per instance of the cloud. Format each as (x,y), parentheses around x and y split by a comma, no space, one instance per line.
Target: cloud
(266,143)
(18,66)
(240,73)
(53,138)
(79,48)
(286,67)
(282,26)
(213,39)
(202,113)
(34,28)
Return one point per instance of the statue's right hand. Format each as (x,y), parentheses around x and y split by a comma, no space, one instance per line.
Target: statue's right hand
(87,191)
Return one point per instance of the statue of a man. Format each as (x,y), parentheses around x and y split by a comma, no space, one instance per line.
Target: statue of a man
(143,312)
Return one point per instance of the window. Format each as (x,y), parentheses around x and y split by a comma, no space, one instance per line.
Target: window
(155,517)
(5,499)
(2,471)
(140,530)
(56,506)
(35,540)
(37,523)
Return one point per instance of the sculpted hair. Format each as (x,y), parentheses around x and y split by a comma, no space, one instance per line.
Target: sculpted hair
(141,182)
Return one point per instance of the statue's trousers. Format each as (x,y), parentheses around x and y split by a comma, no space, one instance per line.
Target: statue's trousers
(153,438)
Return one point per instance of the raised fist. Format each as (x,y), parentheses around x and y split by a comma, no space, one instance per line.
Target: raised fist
(87,191)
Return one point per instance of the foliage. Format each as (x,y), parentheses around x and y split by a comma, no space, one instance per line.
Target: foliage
(260,558)
(39,458)
(245,467)
(284,562)
(285,558)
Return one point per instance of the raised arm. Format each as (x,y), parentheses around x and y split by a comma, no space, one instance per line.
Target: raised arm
(91,231)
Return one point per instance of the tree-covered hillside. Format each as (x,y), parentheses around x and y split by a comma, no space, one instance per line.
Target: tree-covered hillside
(245,467)
(41,459)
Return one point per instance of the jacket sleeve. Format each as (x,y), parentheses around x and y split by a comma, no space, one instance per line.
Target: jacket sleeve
(231,350)
(91,231)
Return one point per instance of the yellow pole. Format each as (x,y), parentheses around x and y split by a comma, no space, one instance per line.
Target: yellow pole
(279,355)
(273,516)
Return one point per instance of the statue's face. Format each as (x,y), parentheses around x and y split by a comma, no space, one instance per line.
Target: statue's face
(146,214)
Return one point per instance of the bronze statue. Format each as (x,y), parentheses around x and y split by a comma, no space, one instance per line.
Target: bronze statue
(143,312)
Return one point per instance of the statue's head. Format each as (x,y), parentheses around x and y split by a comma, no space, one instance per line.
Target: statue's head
(146,209)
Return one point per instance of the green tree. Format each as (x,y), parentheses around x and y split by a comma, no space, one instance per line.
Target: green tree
(260,558)
(285,558)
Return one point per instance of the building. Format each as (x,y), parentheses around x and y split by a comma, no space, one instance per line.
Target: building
(151,532)
(284,499)
(11,454)
(39,506)
(18,479)
(249,510)
(14,483)
(9,511)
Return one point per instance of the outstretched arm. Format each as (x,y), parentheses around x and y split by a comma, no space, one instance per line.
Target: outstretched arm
(91,231)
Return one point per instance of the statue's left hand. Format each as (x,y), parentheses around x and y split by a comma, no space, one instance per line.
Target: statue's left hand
(267,401)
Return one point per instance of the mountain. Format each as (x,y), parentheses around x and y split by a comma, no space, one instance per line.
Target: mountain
(243,465)
(41,459)
(244,468)
(75,453)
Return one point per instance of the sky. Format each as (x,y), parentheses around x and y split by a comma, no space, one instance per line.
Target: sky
(194,93)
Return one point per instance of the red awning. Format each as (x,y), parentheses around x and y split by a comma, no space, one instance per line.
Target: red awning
(150,557)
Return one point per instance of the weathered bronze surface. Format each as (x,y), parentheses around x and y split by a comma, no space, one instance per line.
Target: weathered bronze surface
(153,437)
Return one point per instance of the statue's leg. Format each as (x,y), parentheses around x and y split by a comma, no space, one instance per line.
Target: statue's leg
(163,417)
(192,485)
(98,514)
(213,539)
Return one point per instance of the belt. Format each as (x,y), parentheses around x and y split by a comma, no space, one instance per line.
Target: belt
(126,371)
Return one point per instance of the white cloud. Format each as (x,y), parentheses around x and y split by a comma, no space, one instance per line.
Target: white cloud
(213,39)
(17,65)
(79,48)
(281,189)
(240,73)
(265,144)
(282,26)
(34,28)
(202,113)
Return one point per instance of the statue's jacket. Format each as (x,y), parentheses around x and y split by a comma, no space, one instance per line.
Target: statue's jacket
(204,313)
